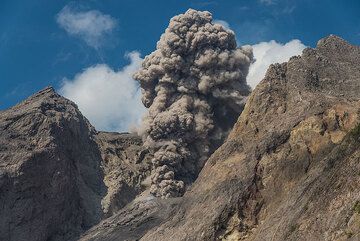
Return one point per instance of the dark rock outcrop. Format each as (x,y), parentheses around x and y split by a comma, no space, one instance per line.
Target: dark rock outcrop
(51,183)
(126,164)
(57,174)
(289,169)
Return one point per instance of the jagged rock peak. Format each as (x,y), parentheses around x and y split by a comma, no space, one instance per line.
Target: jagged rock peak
(331,41)
(48,92)
(58,176)
(47,99)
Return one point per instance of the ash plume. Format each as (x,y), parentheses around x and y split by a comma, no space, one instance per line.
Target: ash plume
(194,86)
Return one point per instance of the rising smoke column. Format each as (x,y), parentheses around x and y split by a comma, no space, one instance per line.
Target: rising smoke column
(194,85)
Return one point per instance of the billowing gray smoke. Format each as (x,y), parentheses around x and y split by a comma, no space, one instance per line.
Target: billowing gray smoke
(194,86)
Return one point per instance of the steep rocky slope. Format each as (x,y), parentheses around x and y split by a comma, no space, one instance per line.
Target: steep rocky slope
(51,185)
(126,164)
(57,174)
(288,171)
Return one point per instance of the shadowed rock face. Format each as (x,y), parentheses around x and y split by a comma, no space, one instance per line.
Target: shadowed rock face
(58,176)
(126,164)
(289,169)
(51,184)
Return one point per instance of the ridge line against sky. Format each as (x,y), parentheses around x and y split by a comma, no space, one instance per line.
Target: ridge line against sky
(67,43)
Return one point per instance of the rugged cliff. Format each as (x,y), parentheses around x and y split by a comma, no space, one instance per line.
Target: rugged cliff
(58,176)
(126,164)
(288,171)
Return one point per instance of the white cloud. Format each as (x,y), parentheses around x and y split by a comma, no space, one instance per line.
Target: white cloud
(266,53)
(110,99)
(222,22)
(91,26)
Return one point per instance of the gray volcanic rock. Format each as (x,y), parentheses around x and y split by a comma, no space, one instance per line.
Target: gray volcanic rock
(54,181)
(134,220)
(51,185)
(126,164)
(289,169)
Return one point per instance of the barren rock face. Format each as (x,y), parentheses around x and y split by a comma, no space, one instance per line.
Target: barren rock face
(126,164)
(58,176)
(289,169)
(51,184)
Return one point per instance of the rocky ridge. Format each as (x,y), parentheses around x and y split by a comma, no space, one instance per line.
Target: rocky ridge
(55,170)
(289,170)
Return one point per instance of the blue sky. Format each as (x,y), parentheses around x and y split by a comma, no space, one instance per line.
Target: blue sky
(38,49)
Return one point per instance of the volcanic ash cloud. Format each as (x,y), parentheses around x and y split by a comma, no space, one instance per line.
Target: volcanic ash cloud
(194,86)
